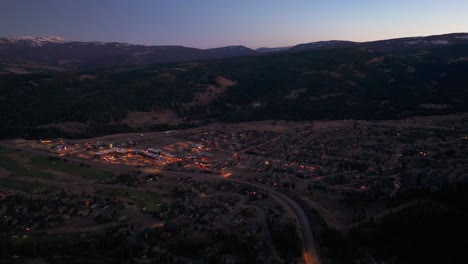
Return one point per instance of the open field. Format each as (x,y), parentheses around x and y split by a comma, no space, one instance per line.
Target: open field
(18,165)
(27,187)
(29,165)
(149,201)
(62,166)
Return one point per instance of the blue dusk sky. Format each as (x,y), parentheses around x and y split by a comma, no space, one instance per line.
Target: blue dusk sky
(215,23)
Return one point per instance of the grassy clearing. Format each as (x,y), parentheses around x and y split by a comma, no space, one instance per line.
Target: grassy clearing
(4,150)
(25,186)
(33,166)
(21,170)
(37,164)
(62,166)
(150,200)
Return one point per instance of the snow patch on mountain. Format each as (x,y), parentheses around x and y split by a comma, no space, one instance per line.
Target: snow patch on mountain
(36,41)
(416,42)
(431,42)
(440,42)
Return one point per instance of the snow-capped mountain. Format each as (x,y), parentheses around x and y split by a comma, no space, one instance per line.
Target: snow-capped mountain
(33,41)
(417,42)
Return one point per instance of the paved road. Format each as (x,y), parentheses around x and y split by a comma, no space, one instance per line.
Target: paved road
(310,254)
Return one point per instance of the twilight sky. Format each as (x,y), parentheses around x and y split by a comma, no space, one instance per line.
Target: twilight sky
(215,23)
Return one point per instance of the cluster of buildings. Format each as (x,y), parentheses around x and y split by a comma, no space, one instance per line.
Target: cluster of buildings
(214,211)
(235,141)
(24,214)
(193,152)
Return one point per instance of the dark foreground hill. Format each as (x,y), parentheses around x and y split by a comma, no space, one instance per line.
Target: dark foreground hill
(341,83)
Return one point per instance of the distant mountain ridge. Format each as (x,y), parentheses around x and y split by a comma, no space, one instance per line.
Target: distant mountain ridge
(36,54)
(266,50)
(33,41)
(323,44)
(231,51)
(417,42)
(71,55)
(390,44)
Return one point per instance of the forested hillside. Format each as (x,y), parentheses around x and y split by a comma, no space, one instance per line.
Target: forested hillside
(342,83)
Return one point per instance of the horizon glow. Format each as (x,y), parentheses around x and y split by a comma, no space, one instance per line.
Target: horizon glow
(216,23)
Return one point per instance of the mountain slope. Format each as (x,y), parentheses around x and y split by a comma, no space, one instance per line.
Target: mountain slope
(268,50)
(340,83)
(323,44)
(54,52)
(390,44)
(231,51)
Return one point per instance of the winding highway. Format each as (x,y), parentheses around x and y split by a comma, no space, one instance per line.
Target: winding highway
(310,254)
